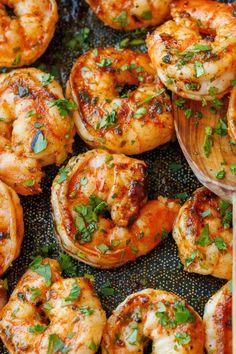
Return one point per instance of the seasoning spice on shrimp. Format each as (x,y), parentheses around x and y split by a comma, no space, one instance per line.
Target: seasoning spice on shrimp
(121,106)
(203,233)
(46,314)
(129,15)
(26,35)
(101,213)
(195,52)
(36,128)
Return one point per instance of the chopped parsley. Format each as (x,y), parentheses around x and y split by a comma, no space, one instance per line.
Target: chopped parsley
(39,142)
(220,174)
(42,269)
(64,106)
(37,328)
(191,259)
(87,217)
(74,293)
(204,239)
(55,345)
(108,120)
(107,290)
(121,19)
(67,265)
(220,243)
(180,102)
(140,112)
(226,213)
(47,79)
(133,336)
(199,68)
(208,142)
(182,338)
(105,62)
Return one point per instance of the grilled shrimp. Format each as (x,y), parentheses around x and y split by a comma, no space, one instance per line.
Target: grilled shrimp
(101,213)
(195,54)
(218,321)
(35,127)
(26,28)
(231,115)
(47,314)
(3,294)
(203,233)
(153,315)
(129,15)
(11,226)
(124,122)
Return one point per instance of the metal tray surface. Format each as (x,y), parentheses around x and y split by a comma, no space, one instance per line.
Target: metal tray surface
(159,269)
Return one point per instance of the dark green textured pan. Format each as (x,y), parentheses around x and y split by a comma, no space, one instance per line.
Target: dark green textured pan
(169,175)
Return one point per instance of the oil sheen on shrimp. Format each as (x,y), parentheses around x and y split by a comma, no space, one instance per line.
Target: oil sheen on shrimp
(231,115)
(3,294)
(195,53)
(47,314)
(101,213)
(36,128)
(130,15)
(11,226)
(122,107)
(157,316)
(218,321)
(203,233)
(26,28)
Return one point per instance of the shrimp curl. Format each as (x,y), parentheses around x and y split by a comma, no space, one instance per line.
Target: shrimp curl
(101,213)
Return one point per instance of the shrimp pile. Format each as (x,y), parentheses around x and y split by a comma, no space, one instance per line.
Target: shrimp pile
(101,213)
(11,226)
(3,294)
(195,53)
(157,316)
(26,28)
(218,321)
(129,15)
(109,116)
(47,314)
(231,115)
(203,233)
(36,128)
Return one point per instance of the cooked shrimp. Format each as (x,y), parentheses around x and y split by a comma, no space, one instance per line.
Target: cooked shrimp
(47,314)
(3,294)
(95,184)
(203,233)
(195,54)
(128,123)
(153,315)
(218,321)
(129,15)
(36,128)
(231,115)
(26,28)
(11,226)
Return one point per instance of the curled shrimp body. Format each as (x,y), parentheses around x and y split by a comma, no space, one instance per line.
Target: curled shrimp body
(194,53)
(3,294)
(218,321)
(130,15)
(35,127)
(47,314)
(101,213)
(203,233)
(11,226)
(109,117)
(153,315)
(231,115)
(26,28)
